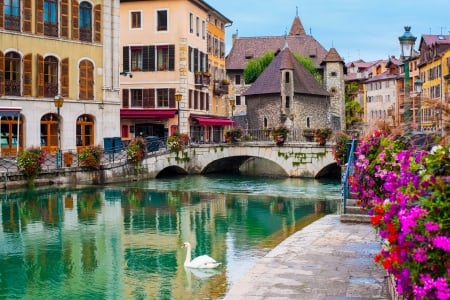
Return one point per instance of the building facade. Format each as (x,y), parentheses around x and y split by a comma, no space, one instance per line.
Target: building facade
(170,50)
(58,49)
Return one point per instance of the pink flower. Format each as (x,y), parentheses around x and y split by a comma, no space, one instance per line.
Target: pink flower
(442,242)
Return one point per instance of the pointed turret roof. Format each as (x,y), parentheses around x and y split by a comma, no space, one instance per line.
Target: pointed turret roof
(269,80)
(297,27)
(333,56)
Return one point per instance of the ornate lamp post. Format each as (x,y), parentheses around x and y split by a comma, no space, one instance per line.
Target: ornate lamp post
(407,41)
(418,87)
(232,105)
(178,97)
(58,101)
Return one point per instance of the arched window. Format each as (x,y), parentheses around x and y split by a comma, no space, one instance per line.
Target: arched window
(11,10)
(85,21)
(50,76)
(49,132)
(12,74)
(85,131)
(11,139)
(86,80)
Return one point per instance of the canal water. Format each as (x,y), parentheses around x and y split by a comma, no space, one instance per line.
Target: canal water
(124,241)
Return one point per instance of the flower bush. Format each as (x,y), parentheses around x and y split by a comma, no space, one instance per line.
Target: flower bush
(177,141)
(233,135)
(406,193)
(339,149)
(90,157)
(30,161)
(322,135)
(136,151)
(280,133)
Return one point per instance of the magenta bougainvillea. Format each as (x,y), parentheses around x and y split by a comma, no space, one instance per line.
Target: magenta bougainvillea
(407,195)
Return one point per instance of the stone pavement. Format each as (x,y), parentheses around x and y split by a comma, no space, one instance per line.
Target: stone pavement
(325,260)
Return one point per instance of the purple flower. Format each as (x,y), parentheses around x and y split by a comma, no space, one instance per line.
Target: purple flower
(431,226)
(442,242)
(420,255)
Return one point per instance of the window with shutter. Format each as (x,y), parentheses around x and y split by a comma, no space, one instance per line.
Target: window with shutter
(50,76)
(163,98)
(51,17)
(126,59)
(98,23)
(64,18)
(11,14)
(65,77)
(85,22)
(1,14)
(148,98)
(27,74)
(75,24)
(172,102)
(12,74)
(136,98)
(86,80)
(85,131)
(171,57)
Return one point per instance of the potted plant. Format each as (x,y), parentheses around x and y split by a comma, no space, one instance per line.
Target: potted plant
(30,162)
(233,135)
(279,134)
(340,148)
(177,141)
(136,151)
(90,157)
(322,135)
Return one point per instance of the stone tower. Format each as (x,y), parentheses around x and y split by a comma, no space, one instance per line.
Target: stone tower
(333,76)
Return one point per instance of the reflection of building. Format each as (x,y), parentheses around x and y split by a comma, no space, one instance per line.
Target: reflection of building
(50,48)
(171,47)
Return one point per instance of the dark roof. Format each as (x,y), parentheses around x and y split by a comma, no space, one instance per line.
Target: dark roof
(246,48)
(332,56)
(269,80)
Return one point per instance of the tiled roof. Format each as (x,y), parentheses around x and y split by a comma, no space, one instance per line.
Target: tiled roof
(383,76)
(332,56)
(431,39)
(297,27)
(246,48)
(269,81)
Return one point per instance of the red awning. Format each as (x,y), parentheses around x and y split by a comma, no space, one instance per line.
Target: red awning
(147,113)
(213,121)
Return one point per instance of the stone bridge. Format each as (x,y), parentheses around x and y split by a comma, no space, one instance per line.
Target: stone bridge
(291,160)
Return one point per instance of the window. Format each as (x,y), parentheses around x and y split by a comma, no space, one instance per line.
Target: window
(50,76)
(9,134)
(162,53)
(136,98)
(135,19)
(85,20)
(237,79)
(333,74)
(203,30)
(191,23)
(162,97)
(308,122)
(12,14)
(136,58)
(288,101)
(238,100)
(287,78)
(161,19)
(12,74)
(51,17)
(49,132)
(86,75)
(197,26)
(85,131)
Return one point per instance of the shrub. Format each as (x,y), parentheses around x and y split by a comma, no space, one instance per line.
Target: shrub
(233,135)
(90,157)
(30,162)
(136,151)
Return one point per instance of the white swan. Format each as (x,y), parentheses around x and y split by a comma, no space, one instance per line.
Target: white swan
(201,262)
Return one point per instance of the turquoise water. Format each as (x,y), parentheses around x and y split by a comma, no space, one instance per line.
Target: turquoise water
(124,241)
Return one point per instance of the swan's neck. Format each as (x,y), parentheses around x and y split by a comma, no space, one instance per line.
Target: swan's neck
(188,256)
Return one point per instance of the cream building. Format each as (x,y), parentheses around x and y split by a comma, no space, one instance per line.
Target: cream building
(58,49)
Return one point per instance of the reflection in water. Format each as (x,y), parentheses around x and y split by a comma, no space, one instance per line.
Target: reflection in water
(125,242)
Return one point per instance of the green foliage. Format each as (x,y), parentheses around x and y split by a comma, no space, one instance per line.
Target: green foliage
(136,151)
(90,157)
(308,63)
(177,141)
(30,162)
(340,148)
(256,66)
(353,109)
(279,131)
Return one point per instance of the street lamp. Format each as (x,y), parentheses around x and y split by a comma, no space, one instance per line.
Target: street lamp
(407,41)
(178,97)
(418,87)
(58,101)
(232,105)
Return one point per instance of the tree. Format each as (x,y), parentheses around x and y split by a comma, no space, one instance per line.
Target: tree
(309,65)
(256,66)
(352,107)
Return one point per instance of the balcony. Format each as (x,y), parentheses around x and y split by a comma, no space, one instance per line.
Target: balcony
(202,79)
(221,87)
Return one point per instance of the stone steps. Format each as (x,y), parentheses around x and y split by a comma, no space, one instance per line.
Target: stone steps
(354,213)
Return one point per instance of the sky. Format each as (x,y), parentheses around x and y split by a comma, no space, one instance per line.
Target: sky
(358,29)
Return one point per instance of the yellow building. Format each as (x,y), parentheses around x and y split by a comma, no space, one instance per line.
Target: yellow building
(435,76)
(51,50)
(171,48)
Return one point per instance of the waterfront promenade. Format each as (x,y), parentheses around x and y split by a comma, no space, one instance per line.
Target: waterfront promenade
(325,260)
